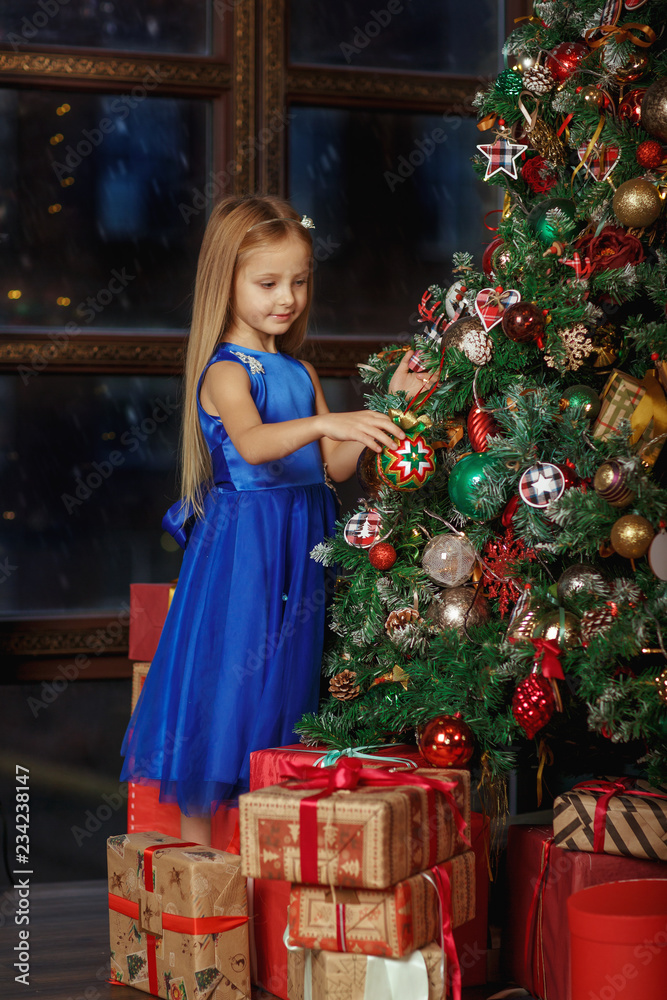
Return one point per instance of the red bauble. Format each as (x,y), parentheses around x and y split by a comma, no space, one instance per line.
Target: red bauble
(533,704)
(480,425)
(446,741)
(565,59)
(488,264)
(649,154)
(569,475)
(382,555)
(523,322)
(507,516)
(630,108)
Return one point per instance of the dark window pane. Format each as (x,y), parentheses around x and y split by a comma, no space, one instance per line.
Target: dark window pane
(96,204)
(149,26)
(393,196)
(412,35)
(87,469)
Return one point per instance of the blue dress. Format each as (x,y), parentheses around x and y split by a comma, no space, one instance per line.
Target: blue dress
(238,660)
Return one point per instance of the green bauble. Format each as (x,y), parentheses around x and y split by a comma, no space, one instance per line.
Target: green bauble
(585,397)
(509,83)
(545,231)
(464,480)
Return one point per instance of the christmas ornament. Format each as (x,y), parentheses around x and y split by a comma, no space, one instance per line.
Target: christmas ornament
(367,473)
(524,617)
(533,704)
(592,96)
(523,323)
(649,154)
(579,579)
(398,620)
(464,481)
(635,66)
(538,80)
(539,174)
(558,626)
(382,555)
(470,337)
(492,303)
(500,557)
(409,464)
(577,345)
(459,608)
(495,255)
(547,143)
(363,528)
(454,299)
(395,676)
(449,560)
(565,59)
(480,425)
(541,484)
(446,741)
(610,483)
(502,155)
(631,536)
(583,397)
(344,686)
(594,621)
(509,83)
(657,555)
(637,203)
(549,219)
(600,161)
(630,108)
(661,684)
(654,109)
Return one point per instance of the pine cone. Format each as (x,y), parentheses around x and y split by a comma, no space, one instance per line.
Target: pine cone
(594,621)
(399,619)
(538,80)
(344,687)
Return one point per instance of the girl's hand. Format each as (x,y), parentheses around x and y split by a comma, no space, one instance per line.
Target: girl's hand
(368,427)
(409,382)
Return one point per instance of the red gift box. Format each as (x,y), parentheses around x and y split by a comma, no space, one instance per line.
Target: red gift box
(541,877)
(149,603)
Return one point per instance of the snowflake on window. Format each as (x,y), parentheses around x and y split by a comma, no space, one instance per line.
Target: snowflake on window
(500,557)
(254,364)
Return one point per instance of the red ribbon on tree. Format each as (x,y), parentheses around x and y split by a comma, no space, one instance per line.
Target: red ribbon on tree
(548,654)
(609,788)
(349,774)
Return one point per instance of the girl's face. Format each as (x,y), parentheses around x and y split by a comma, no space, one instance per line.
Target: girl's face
(271,289)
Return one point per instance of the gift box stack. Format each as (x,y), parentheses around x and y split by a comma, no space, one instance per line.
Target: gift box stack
(606,830)
(379,873)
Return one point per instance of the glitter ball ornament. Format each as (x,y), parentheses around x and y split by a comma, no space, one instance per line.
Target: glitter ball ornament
(583,397)
(446,741)
(631,536)
(661,684)
(523,323)
(649,154)
(637,203)
(480,425)
(547,230)
(657,555)
(459,608)
(464,481)
(594,621)
(654,109)
(470,337)
(538,80)
(382,555)
(611,483)
(565,59)
(449,560)
(509,83)
(630,108)
(558,626)
(533,704)
(579,579)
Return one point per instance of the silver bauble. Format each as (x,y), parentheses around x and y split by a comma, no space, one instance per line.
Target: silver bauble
(580,578)
(454,609)
(449,560)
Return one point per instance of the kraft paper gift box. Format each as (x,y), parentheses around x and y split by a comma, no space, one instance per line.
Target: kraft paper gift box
(149,604)
(139,674)
(623,816)
(178,921)
(336,976)
(389,923)
(390,827)
(640,402)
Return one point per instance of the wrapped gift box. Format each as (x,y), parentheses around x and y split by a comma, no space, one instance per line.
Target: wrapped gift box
(266,766)
(640,402)
(372,836)
(178,920)
(139,674)
(389,923)
(537,907)
(336,976)
(149,603)
(629,822)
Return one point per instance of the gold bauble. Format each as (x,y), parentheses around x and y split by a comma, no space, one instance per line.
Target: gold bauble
(609,483)
(661,684)
(558,626)
(654,109)
(637,203)
(631,536)
(453,608)
(592,96)
(633,68)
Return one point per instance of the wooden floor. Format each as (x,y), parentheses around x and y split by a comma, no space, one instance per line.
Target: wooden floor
(69,947)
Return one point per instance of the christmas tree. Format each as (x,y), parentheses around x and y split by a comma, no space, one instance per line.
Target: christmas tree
(502,585)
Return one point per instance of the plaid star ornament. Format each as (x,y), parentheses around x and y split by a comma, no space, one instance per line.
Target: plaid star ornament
(501,156)
(601,161)
(541,483)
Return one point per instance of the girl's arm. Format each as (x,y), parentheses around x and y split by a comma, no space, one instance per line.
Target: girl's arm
(225,391)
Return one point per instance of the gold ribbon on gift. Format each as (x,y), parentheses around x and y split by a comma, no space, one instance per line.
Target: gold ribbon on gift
(589,149)
(652,407)
(620,33)
(410,421)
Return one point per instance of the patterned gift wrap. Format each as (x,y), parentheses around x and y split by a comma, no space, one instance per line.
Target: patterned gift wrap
(336,976)
(642,403)
(371,837)
(389,923)
(139,674)
(178,920)
(620,816)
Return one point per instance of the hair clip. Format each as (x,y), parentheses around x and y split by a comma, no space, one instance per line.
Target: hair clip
(303,221)
(307,223)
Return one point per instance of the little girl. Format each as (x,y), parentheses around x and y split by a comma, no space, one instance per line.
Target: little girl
(238,661)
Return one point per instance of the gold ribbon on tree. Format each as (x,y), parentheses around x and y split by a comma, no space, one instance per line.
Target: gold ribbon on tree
(620,33)
(652,407)
(589,149)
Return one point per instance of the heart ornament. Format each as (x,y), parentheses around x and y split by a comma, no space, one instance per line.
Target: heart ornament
(490,305)
(601,161)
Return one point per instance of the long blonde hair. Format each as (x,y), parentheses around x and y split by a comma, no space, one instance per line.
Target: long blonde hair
(227,242)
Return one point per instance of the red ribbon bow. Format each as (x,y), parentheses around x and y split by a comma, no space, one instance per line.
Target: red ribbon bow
(609,788)
(349,774)
(548,653)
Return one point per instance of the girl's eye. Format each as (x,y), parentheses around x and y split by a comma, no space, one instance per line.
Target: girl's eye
(300,281)
(267,284)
